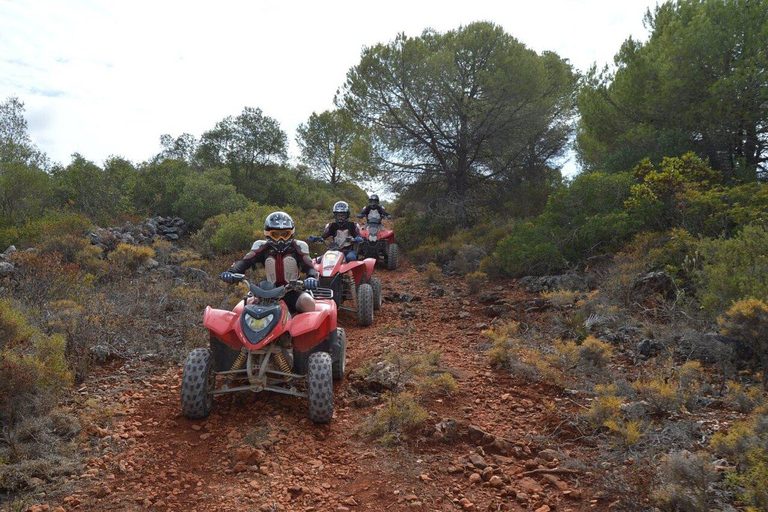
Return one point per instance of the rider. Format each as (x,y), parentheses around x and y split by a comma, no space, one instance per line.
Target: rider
(283,258)
(374,211)
(342,230)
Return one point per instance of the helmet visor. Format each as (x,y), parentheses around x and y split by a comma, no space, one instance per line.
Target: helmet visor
(279,235)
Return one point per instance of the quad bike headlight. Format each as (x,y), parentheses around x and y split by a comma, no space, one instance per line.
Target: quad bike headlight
(258,324)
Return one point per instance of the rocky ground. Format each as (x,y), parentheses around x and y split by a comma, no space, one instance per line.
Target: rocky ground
(499,443)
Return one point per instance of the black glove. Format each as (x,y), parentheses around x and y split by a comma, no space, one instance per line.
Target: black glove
(228,277)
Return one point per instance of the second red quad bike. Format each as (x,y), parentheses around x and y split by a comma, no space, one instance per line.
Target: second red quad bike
(261,346)
(351,281)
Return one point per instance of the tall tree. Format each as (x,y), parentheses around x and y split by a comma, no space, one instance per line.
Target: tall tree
(334,147)
(247,145)
(699,83)
(24,183)
(182,147)
(457,111)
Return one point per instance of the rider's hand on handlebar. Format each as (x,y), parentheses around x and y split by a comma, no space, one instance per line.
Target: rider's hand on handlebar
(228,277)
(389,217)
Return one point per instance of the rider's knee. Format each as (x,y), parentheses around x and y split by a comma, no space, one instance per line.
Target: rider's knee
(305,303)
(351,256)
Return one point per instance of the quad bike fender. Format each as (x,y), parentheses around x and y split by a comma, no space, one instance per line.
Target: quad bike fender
(222,325)
(364,270)
(312,328)
(388,236)
(361,270)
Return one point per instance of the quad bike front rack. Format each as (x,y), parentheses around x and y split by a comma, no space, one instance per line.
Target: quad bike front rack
(260,377)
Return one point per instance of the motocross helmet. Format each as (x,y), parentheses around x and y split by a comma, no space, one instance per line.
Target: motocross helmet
(278,230)
(341,211)
(373,201)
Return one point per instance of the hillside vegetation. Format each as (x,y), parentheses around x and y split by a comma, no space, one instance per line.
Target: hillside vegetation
(649,267)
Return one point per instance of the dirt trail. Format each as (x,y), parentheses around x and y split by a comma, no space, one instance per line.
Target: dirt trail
(261,452)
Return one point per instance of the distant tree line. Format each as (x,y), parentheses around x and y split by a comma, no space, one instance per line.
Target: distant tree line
(469,127)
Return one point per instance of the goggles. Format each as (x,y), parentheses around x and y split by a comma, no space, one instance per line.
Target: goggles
(279,235)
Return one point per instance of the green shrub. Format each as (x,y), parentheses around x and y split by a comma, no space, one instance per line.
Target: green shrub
(392,423)
(206,195)
(476,281)
(438,385)
(746,444)
(747,320)
(685,479)
(234,233)
(734,269)
(530,249)
(131,257)
(33,367)
(14,330)
(36,232)
(433,273)
(66,245)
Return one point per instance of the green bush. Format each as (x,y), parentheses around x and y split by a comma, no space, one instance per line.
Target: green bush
(35,232)
(233,233)
(746,444)
(747,320)
(208,194)
(400,415)
(130,257)
(530,249)
(33,368)
(734,269)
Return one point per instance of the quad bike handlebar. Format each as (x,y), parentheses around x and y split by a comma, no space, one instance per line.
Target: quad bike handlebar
(330,245)
(273,293)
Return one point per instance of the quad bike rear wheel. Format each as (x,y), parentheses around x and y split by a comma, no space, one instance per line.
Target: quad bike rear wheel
(320,387)
(340,365)
(392,256)
(376,284)
(364,304)
(197,384)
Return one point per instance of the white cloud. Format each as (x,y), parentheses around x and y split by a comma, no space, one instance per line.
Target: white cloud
(108,78)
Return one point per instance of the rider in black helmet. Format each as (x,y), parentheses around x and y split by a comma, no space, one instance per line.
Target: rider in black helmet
(283,258)
(374,211)
(342,230)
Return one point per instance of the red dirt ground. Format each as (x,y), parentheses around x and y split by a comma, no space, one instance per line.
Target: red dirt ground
(261,452)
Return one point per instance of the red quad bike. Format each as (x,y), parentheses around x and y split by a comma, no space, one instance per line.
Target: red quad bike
(260,346)
(359,287)
(379,243)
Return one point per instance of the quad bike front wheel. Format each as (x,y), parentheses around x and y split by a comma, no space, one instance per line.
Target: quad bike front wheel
(364,304)
(392,256)
(340,364)
(320,387)
(197,384)
(376,284)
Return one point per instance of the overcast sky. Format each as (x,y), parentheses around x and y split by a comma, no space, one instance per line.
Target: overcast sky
(109,77)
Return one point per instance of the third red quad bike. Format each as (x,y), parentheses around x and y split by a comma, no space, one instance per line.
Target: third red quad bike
(378,242)
(261,346)
(360,286)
